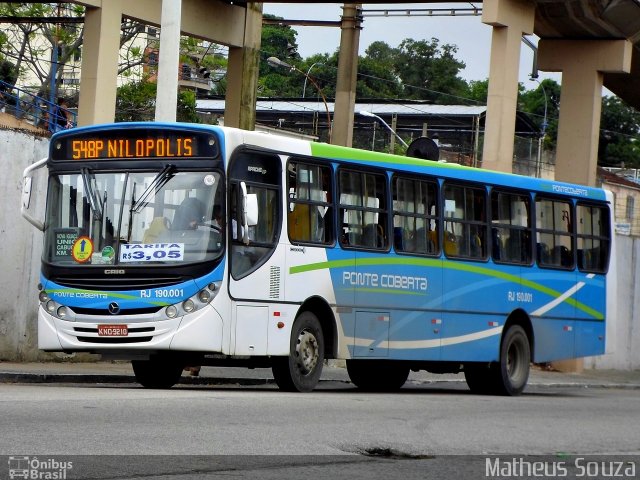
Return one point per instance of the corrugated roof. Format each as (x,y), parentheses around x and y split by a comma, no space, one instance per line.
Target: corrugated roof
(300,105)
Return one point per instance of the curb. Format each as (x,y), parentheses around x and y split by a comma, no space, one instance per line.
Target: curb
(32,378)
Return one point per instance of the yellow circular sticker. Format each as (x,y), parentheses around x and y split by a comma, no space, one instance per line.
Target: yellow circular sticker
(82,249)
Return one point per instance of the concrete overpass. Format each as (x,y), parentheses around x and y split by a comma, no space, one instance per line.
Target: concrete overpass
(593,42)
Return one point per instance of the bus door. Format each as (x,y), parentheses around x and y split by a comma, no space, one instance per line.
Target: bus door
(255,261)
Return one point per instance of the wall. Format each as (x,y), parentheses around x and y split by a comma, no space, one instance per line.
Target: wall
(21,246)
(623,310)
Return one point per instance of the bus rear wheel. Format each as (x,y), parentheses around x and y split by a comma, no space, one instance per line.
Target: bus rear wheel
(157,372)
(509,376)
(300,371)
(377,376)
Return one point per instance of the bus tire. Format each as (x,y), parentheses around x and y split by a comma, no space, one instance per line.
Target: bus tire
(300,371)
(158,373)
(508,376)
(478,378)
(512,373)
(377,376)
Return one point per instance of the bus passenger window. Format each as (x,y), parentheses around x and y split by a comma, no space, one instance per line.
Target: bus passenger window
(510,228)
(465,232)
(593,238)
(310,209)
(415,222)
(554,234)
(362,208)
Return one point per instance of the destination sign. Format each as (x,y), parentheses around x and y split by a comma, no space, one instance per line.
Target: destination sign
(134,144)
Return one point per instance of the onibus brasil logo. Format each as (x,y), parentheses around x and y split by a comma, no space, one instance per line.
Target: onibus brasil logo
(38,469)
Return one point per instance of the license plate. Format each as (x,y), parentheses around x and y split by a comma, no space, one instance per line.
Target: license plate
(113,330)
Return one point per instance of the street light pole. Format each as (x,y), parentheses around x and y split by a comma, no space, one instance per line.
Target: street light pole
(306,76)
(276,62)
(364,113)
(543,133)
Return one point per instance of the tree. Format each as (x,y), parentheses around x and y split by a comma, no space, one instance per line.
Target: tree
(31,45)
(429,71)
(543,103)
(135,101)
(619,130)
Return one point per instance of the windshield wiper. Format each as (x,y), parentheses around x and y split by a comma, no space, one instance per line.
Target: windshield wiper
(160,180)
(94,199)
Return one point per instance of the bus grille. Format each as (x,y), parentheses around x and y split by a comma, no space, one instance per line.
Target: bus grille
(113,340)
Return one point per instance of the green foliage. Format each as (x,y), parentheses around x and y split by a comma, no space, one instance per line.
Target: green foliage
(136,101)
(545,97)
(430,71)
(8,72)
(619,133)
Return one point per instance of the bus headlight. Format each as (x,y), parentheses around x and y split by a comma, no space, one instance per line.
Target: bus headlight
(204,295)
(188,306)
(51,306)
(62,312)
(193,303)
(43,297)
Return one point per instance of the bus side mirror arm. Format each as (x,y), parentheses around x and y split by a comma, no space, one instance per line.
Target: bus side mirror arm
(26,194)
(249,211)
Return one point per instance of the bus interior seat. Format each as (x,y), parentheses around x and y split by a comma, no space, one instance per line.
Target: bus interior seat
(372,236)
(496,245)
(299,225)
(542,252)
(450,244)
(156,230)
(398,239)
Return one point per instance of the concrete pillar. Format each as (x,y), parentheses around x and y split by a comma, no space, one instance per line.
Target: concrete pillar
(242,73)
(99,73)
(168,61)
(342,132)
(510,20)
(582,63)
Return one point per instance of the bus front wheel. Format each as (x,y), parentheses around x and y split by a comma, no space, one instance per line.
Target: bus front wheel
(377,376)
(300,371)
(157,372)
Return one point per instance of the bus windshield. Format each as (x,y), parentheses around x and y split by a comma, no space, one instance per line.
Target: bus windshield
(133,218)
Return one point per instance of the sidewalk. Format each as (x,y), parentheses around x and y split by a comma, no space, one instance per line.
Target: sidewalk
(121,372)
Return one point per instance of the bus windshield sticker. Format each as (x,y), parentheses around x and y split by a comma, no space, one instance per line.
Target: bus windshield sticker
(153,252)
(82,249)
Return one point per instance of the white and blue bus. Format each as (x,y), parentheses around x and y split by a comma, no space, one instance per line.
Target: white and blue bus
(179,244)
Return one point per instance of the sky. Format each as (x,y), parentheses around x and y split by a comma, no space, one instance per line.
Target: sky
(468,33)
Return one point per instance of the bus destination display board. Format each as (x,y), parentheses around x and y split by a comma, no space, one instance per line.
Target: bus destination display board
(134,144)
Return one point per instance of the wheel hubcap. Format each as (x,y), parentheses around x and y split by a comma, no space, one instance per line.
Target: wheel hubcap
(307,351)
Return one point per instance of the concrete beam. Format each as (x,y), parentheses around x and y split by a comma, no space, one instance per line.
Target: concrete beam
(242,73)
(509,19)
(99,71)
(168,61)
(342,130)
(582,63)
(212,20)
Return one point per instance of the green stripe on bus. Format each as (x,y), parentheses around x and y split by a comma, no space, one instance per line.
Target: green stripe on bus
(428,262)
(123,296)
